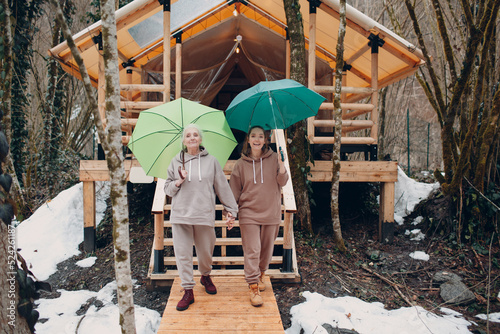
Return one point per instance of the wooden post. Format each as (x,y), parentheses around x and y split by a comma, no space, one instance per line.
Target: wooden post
(166,50)
(158,262)
(375,43)
(386,212)
(89,220)
(311,75)
(287,55)
(288,242)
(178,64)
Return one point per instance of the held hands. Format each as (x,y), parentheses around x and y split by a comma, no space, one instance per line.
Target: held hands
(230,221)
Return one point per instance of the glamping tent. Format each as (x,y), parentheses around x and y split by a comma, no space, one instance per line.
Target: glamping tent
(210,50)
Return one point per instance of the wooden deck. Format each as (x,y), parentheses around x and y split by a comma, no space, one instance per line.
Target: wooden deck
(229,311)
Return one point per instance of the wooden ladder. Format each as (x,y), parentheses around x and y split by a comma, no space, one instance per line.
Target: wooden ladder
(228,254)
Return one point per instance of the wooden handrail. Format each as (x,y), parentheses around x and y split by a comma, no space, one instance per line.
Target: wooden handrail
(160,198)
(288,194)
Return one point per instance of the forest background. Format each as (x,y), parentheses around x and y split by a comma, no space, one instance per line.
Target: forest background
(442,122)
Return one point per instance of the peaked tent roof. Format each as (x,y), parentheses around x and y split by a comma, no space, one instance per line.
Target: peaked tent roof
(210,29)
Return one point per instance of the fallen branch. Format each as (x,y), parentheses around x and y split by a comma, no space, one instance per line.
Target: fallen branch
(388,281)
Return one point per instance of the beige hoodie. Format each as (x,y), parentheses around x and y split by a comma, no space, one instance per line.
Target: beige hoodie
(256,185)
(194,201)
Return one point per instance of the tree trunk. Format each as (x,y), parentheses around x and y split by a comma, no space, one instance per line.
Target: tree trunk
(114,157)
(334,203)
(112,146)
(5,107)
(298,156)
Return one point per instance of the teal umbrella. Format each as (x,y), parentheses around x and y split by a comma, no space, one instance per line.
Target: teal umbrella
(273,105)
(157,136)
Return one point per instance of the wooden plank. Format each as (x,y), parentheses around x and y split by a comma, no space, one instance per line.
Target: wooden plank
(160,198)
(274,274)
(218,223)
(223,241)
(89,204)
(97,170)
(222,260)
(344,140)
(356,171)
(226,312)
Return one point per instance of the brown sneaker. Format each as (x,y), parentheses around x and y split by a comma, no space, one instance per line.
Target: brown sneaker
(210,288)
(255,298)
(262,285)
(186,300)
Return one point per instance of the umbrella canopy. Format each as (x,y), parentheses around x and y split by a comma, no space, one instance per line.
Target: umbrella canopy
(273,105)
(157,137)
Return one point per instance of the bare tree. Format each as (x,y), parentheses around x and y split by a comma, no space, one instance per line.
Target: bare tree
(299,155)
(112,145)
(337,110)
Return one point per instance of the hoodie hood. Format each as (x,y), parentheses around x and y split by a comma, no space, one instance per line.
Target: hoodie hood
(253,161)
(189,161)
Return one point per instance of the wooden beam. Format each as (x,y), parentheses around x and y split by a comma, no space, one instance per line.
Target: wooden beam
(141,88)
(139,105)
(347,106)
(356,171)
(357,54)
(178,66)
(344,140)
(166,55)
(97,170)
(347,123)
(311,73)
(346,90)
(374,113)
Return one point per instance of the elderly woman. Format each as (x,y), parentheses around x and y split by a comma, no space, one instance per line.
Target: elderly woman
(194,179)
(256,183)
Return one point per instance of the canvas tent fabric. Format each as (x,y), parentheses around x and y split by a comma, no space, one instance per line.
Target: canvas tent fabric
(219,36)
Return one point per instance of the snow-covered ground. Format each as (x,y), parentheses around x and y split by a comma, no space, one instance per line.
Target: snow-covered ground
(52,234)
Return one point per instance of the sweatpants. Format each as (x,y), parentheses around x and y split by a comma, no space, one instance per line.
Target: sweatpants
(184,236)
(258,246)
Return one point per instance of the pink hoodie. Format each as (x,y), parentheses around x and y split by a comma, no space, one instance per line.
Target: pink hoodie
(256,186)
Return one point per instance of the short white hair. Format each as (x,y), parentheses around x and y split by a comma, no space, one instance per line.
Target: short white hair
(187,127)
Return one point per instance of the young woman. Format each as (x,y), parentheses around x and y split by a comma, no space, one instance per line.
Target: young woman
(256,183)
(194,179)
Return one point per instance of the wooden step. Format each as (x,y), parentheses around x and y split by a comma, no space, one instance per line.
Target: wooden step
(222,260)
(218,207)
(218,223)
(274,274)
(229,311)
(223,241)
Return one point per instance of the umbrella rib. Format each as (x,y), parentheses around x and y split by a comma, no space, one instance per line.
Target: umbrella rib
(220,134)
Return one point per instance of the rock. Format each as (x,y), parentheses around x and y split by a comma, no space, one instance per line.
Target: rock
(456,292)
(334,330)
(446,276)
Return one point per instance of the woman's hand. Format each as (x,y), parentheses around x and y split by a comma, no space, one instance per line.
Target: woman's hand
(182,175)
(229,221)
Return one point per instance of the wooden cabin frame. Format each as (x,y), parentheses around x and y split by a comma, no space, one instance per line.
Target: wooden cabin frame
(375,38)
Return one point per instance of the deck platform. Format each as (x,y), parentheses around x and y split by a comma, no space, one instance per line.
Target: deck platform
(229,311)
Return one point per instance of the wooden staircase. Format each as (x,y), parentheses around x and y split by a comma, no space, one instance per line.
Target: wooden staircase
(228,254)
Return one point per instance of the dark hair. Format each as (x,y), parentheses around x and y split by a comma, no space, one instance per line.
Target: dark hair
(246,150)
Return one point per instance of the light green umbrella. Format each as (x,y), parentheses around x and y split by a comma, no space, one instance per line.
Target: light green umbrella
(157,137)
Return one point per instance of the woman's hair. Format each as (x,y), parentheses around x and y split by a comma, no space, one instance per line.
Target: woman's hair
(187,127)
(246,150)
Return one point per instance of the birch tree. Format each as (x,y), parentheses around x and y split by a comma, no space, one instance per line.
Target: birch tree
(337,110)
(111,142)
(299,147)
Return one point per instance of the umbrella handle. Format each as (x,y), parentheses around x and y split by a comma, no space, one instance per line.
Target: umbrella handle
(282,156)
